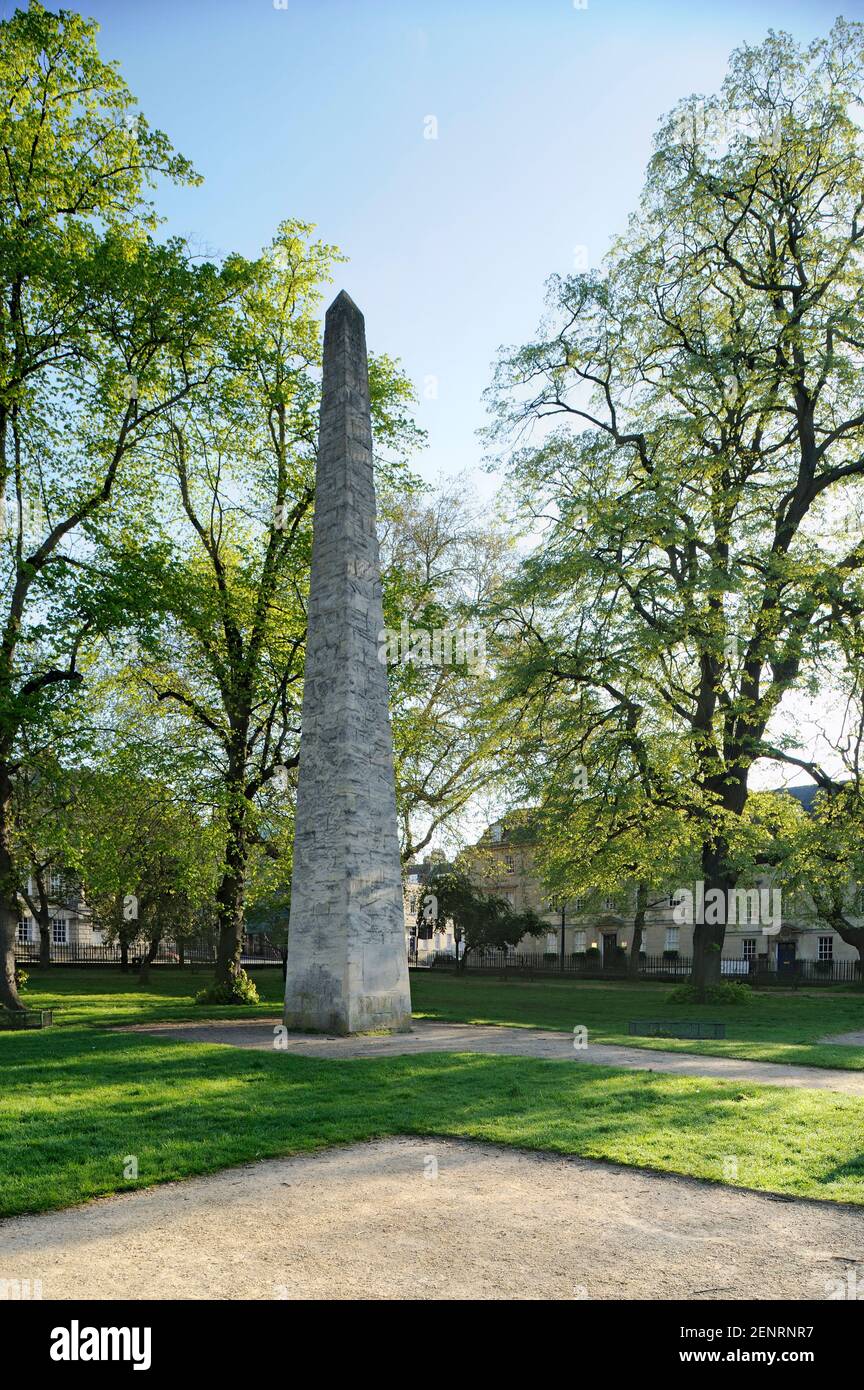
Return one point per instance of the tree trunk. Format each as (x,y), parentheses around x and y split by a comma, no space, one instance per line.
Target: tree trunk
(9,997)
(638,930)
(708,937)
(124,957)
(148,958)
(44,942)
(9,909)
(231,891)
(41,909)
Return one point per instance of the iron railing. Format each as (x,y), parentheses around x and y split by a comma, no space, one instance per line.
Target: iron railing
(651,967)
(256,952)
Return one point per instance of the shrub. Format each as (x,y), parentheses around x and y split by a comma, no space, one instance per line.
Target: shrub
(242,990)
(729,992)
(21,978)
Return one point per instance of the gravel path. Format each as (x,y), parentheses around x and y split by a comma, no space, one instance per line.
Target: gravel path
(522,1042)
(370,1222)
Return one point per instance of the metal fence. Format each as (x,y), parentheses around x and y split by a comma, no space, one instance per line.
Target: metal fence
(652,967)
(256,952)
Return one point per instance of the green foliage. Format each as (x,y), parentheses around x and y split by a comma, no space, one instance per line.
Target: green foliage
(481,921)
(443,558)
(99,326)
(242,990)
(699,465)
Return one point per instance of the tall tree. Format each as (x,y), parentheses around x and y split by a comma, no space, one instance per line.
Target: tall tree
(145,849)
(43,853)
(444,557)
(710,383)
(97,324)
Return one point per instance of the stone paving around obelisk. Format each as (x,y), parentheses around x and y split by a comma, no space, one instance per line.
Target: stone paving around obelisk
(347,963)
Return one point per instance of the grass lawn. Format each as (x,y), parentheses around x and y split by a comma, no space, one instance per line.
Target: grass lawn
(94,997)
(76,1103)
(775,1027)
(77,1099)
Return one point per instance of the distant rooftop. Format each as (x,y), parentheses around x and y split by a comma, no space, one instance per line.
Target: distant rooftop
(805,794)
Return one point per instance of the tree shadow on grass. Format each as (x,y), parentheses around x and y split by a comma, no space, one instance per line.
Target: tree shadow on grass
(85,1101)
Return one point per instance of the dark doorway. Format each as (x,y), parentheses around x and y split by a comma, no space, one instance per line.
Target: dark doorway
(786,951)
(610,948)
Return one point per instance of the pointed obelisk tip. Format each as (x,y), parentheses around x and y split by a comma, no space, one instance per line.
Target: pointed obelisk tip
(343,304)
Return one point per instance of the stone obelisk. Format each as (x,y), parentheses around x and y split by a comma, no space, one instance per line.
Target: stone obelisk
(347,959)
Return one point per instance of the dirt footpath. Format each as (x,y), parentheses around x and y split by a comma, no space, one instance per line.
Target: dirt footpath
(435,1219)
(427,1036)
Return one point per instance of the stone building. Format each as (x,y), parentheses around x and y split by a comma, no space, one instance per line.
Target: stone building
(71,920)
(422,943)
(601,924)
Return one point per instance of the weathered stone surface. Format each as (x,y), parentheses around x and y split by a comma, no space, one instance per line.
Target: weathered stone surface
(347,962)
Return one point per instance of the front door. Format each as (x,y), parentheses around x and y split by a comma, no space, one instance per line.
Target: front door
(610,944)
(786,957)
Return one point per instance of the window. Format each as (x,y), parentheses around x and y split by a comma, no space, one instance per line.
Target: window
(551,942)
(579,939)
(749,946)
(826,948)
(495,832)
(509,863)
(578,904)
(59,932)
(609,903)
(56,882)
(24,929)
(672,936)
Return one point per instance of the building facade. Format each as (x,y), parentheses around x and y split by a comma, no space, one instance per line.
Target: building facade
(422,942)
(70,917)
(601,925)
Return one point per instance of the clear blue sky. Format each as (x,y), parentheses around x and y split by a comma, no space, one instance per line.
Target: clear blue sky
(545,115)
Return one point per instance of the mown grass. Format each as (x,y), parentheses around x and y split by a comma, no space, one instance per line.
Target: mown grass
(775,1026)
(78,1100)
(77,1103)
(92,997)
